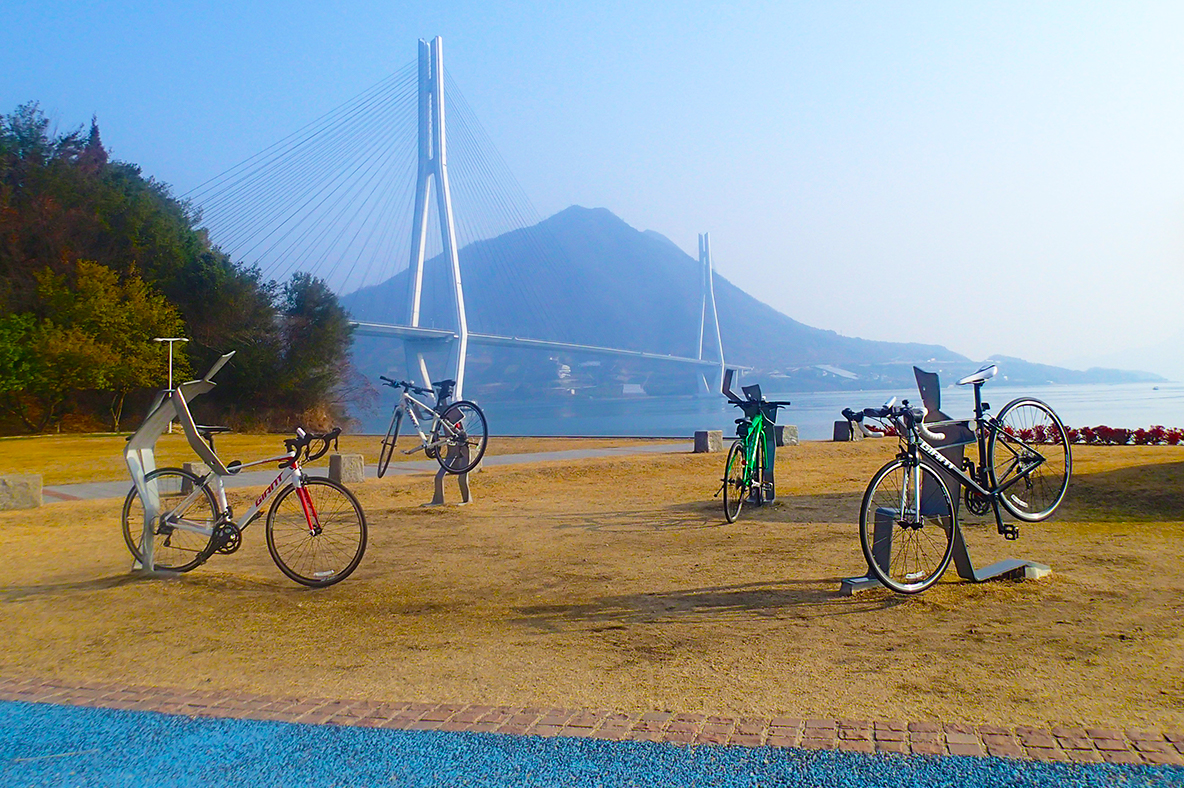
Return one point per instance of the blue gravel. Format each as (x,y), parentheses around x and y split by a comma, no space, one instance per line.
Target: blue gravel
(47,745)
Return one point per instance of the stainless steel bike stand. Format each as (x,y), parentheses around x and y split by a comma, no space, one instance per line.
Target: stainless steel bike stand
(885,521)
(952,448)
(462,479)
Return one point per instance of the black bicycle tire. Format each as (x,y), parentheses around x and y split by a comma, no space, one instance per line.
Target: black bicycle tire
(1008,504)
(474,457)
(734,496)
(201,555)
(284,564)
(865,540)
(387,449)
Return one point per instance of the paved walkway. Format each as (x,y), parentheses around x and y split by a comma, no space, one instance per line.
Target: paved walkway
(118,489)
(1058,744)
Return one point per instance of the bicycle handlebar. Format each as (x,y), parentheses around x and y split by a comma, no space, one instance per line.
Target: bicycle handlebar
(903,412)
(740,403)
(406,385)
(304,440)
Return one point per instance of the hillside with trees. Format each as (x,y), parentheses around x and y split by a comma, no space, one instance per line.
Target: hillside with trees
(96,260)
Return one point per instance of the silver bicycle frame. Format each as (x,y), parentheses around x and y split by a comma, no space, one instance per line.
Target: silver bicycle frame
(290,474)
(408,404)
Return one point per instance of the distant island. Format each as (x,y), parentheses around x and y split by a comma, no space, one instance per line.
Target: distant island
(585,276)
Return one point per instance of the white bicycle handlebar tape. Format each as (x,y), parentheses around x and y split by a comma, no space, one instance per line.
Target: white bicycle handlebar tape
(931,436)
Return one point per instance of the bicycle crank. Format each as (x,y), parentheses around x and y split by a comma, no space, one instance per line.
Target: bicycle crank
(229,538)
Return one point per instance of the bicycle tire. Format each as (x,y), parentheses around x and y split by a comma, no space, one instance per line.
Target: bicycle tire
(913,560)
(327,556)
(387,449)
(1041,487)
(180,550)
(735,490)
(467,434)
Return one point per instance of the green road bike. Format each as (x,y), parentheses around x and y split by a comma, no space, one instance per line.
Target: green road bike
(748,470)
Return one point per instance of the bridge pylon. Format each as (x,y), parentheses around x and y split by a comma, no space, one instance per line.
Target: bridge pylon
(709,332)
(433,164)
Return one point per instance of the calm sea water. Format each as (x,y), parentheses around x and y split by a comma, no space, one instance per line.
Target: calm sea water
(1130,405)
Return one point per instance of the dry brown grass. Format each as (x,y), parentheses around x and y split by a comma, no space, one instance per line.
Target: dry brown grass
(613,583)
(67,459)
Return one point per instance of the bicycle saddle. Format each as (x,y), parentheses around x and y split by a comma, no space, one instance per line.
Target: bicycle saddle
(444,389)
(982,376)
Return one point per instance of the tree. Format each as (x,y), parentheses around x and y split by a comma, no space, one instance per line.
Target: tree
(317,336)
(62,200)
(96,332)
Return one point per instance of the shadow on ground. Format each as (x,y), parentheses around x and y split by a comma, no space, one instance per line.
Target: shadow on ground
(817,598)
(1148,493)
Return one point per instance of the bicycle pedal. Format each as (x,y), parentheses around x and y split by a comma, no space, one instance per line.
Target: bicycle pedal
(1010,532)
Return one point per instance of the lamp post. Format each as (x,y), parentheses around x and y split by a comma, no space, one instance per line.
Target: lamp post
(170,340)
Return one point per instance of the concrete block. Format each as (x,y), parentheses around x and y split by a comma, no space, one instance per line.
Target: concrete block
(198,469)
(20,491)
(786,434)
(707,441)
(846,431)
(347,468)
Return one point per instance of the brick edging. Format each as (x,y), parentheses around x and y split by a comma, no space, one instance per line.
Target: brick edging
(1069,744)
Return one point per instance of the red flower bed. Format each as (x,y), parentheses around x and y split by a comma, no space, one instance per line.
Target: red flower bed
(1108,436)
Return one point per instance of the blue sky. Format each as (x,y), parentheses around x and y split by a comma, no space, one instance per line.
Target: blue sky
(998,178)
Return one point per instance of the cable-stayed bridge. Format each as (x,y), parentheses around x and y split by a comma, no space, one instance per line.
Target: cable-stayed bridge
(402,181)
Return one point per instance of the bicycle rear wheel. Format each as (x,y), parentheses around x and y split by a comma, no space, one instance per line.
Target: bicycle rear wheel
(184,504)
(388,443)
(906,526)
(735,490)
(460,437)
(320,540)
(1030,460)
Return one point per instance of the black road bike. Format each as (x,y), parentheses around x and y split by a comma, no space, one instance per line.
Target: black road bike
(908,519)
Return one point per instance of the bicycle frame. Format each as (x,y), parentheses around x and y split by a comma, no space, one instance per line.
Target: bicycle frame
(756,427)
(985,426)
(916,445)
(408,404)
(290,473)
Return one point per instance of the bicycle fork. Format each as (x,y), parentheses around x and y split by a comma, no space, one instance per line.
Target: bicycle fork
(310,510)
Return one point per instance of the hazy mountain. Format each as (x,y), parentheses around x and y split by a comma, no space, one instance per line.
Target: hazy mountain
(1164,355)
(585,276)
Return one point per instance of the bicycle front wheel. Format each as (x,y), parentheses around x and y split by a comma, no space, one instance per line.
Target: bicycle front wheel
(460,437)
(735,488)
(906,526)
(184,532)
(388,443)
(317,534)
(1030,460)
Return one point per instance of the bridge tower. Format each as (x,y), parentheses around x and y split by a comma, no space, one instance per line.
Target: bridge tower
(709,332)
(433,164)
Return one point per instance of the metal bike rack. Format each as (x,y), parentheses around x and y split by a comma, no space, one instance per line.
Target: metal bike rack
(140,452)
(958,436)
